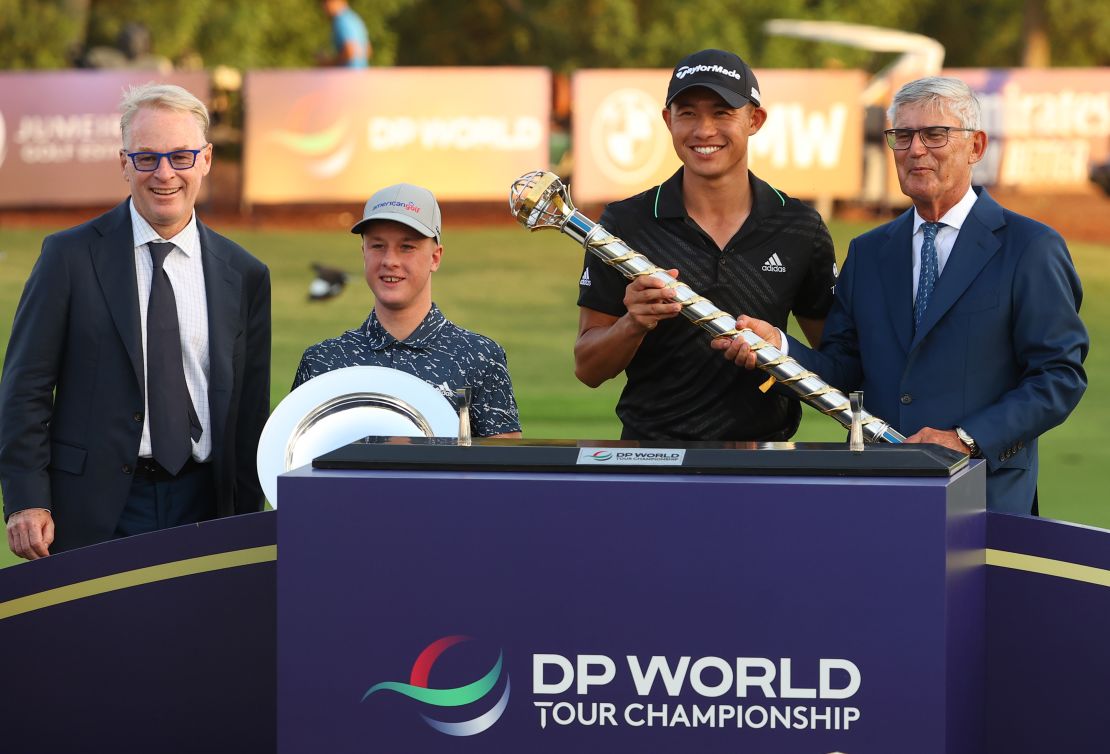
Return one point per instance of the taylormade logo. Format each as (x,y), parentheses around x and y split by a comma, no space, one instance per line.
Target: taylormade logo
(687,70)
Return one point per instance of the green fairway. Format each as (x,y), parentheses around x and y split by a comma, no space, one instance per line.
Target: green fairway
(520,289)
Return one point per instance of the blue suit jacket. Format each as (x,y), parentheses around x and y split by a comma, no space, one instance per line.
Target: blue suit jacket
(1000,350)
(71,397)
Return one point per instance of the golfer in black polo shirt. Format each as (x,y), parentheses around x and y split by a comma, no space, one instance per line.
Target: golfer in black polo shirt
(734,239)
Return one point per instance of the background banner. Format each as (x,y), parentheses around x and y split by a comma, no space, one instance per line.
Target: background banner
(313,136)
(810,147)
(338,135)
(1047,127)
(59,134)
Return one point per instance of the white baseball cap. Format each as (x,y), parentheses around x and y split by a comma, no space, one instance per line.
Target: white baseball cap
(404,203)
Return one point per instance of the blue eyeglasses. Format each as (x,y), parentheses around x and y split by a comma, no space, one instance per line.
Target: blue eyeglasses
(179,159)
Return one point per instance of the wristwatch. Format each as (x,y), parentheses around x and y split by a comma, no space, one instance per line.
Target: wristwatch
(968,440)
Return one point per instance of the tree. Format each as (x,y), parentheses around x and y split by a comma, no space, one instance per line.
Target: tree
(564,35)
(37,34)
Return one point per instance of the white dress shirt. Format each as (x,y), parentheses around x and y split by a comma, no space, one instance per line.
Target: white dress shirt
(183,265)
(953,220)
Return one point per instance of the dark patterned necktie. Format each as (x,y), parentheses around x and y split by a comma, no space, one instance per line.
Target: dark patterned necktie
(173,420)
(927,279)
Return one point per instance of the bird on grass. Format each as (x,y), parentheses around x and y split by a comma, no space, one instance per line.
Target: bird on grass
(328,283)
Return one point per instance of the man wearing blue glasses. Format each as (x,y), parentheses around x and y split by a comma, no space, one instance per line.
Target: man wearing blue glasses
(960,319)
(136,382)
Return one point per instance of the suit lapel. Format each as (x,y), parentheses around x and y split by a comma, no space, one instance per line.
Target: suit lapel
(975,245)
(896,273)
(222,286)
(113,258)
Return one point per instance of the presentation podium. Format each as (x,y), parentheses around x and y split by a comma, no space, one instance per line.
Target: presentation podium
(548,597)
(163,642)
(615,597)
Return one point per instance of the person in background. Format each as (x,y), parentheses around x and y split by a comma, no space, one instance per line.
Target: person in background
(348,36)
(401,248)
(137,376)
(734,239)
(133,49)
(959,319)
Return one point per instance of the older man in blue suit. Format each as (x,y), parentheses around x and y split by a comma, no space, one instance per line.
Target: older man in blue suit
(959,319)
(137,378)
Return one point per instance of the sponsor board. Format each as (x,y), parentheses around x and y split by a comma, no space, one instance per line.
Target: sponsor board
(337,135)
(811,145)
(1046,127)
(60,137)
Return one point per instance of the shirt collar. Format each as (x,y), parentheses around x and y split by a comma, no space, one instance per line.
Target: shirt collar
(188,239)
(669,203)
(953,218)
(380,339)
(668,198)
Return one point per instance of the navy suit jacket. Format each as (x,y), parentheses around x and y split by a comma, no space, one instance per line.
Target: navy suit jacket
(71,397)
(1000,350)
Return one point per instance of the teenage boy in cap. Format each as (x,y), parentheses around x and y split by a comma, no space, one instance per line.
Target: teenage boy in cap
(734,239)
(401,248)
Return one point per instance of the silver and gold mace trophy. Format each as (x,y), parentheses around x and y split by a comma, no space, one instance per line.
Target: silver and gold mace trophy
(540,200)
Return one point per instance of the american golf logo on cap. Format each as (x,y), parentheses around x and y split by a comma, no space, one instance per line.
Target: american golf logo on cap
(467,698)
(406,206)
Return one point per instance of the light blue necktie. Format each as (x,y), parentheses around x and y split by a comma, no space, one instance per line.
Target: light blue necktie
(927,279)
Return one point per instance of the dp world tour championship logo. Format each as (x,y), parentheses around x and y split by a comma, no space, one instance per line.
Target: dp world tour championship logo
(466,696)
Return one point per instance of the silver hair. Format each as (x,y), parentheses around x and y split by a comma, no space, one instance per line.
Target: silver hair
(165,96)
(949,95)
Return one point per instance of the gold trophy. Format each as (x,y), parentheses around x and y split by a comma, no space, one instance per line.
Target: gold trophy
(540,200)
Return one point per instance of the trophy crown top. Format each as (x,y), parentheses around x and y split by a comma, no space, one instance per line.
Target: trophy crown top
(540,200)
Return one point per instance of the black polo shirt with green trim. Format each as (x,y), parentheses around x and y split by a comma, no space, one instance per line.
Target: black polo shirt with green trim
(780,261)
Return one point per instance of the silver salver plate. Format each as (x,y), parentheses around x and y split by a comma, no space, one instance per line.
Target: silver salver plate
(344,406)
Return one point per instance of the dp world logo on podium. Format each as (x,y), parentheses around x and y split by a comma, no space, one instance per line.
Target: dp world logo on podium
(597,456)
(468,704)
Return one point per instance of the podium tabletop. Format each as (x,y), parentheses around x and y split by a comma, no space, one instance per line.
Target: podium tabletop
(662,457)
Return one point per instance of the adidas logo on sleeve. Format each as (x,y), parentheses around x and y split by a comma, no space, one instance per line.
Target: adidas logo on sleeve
(774,264)
(585,277)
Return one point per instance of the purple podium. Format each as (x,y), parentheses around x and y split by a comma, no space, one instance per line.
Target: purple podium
(163,642)
(795,599)
(620,609)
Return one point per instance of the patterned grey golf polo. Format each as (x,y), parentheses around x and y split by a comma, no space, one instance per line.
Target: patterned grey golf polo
(439,352)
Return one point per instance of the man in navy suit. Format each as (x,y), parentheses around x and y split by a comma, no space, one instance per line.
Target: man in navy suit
(137,377)
(960,319)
